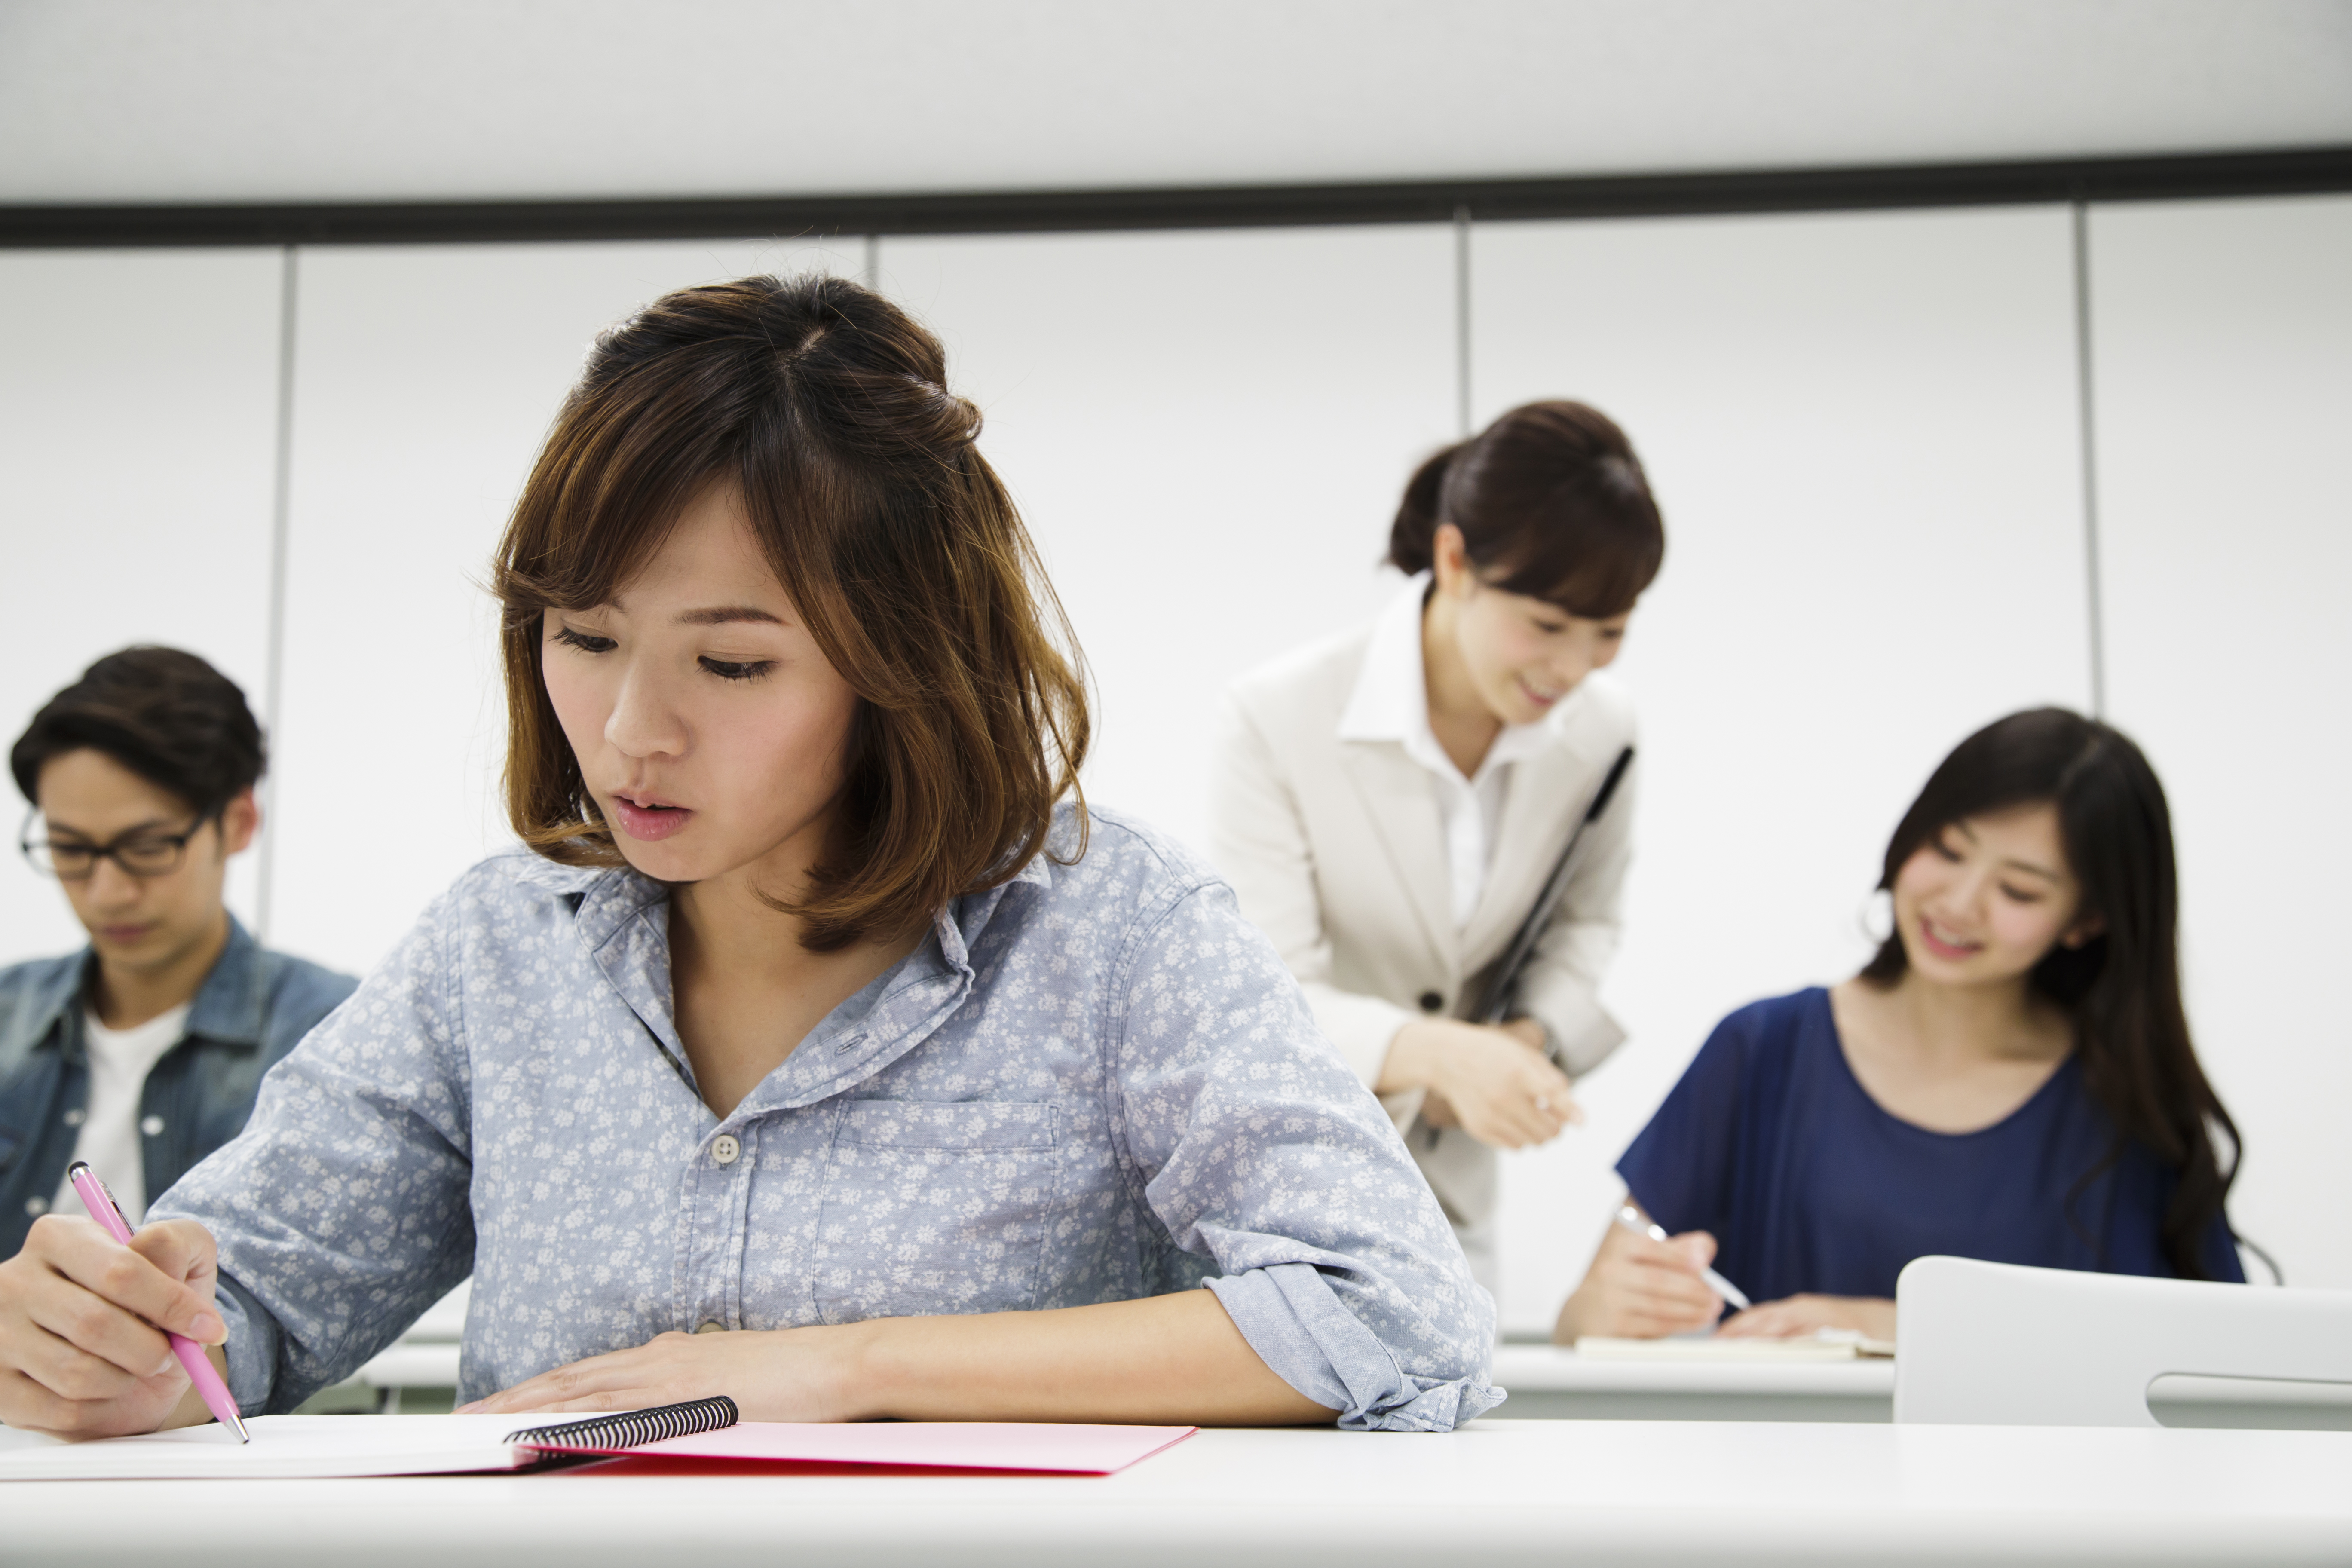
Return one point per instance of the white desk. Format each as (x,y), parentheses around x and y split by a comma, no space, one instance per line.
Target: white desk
(1550,1382)
(424,1358)
(1565,1492)
(1553,1382)
(1545,1381)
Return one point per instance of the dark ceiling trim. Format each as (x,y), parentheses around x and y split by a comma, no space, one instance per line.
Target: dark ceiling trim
(2299,170)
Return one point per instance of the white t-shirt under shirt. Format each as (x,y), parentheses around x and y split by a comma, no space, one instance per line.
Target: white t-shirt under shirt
(120,1061)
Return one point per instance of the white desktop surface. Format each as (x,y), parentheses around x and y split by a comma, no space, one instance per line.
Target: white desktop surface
(1555,1382)
(1552,1381)
(412,1365)
(1568,1492)
(1557,1369)
(415,1362)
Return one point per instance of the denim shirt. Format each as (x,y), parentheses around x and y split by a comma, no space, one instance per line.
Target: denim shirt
(1094,1083)
(250,1011)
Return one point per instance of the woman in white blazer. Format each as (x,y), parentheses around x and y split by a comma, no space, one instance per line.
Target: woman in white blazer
(1389,804)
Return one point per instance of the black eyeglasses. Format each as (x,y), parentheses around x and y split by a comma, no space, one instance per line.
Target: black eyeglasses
(141,852)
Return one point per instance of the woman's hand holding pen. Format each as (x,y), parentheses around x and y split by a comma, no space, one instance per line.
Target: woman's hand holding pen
(82,1352)
(1639,1289)
(1494,1083)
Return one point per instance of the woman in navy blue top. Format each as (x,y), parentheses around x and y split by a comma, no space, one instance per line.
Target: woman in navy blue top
(2011,1078)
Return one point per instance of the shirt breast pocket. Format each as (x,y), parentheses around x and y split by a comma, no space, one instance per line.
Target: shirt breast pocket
(933,1206)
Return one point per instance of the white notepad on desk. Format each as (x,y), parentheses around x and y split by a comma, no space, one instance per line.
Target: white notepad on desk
(305,1447)
(284,1448)
(1717,1348)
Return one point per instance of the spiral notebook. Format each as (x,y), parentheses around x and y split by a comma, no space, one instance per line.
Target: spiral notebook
(703,1431)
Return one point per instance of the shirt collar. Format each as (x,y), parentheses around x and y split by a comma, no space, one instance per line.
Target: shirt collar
(622,918)
(606,899)
(960,923)
(229,1007)
(534,869)
(1391,700)
(900,1009)
(231,1004)
(58,985)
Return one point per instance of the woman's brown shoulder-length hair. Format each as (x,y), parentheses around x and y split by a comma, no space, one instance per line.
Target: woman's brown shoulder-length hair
(826,407)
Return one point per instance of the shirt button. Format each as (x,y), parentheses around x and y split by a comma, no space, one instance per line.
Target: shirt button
(76,1117)
(37,1205)
(150,1125)
(711,1329)
(1431,1001)
(724,1148)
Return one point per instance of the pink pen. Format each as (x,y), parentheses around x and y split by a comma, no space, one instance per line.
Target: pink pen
(107,1212)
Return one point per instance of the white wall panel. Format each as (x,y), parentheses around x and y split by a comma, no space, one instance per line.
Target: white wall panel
(138,417)
(2222,338)
(426,379)
(1863,431)
(1207,433)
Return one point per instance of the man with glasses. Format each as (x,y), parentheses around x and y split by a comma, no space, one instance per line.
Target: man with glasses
(142,1052)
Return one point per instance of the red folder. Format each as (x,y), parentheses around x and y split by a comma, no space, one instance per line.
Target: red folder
(1055,1449)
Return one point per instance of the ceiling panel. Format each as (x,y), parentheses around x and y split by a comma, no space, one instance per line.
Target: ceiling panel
(291,100)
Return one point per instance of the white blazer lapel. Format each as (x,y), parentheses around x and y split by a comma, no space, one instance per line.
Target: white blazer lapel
(1398,793)
(1548,794)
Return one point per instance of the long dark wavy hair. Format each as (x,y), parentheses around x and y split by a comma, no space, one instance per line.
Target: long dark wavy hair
(2122,987)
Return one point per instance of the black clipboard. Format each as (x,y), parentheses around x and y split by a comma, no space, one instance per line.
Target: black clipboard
(1497,999)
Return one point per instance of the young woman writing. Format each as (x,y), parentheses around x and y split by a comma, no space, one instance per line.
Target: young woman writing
(813,1054)
(2009,1078)
(1388,805)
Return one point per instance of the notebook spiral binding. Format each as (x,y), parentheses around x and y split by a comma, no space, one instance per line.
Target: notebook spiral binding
(632,1428)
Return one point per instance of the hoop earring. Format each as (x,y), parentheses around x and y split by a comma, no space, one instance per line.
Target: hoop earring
(1877,916)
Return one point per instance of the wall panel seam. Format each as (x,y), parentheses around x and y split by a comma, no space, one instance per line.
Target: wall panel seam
(2087,421)
(280,513)
(1462,401)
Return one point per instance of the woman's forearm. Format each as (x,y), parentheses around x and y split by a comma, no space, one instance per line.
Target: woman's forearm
(1175,1358)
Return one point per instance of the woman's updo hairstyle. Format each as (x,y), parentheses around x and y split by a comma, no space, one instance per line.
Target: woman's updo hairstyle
(825,408)
(1552,504)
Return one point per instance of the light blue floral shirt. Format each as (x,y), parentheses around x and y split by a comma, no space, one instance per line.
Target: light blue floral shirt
(1094,1083)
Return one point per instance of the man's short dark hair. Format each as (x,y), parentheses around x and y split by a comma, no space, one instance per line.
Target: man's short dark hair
(165,715)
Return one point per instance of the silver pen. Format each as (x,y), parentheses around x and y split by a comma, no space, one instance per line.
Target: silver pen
(1640,1224)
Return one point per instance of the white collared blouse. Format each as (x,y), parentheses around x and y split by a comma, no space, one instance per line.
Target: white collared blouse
(1391,702)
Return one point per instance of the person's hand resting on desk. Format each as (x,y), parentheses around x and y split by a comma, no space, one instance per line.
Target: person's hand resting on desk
(81,1352)
(1871,1316)
(1493,1082)
(783,1374)
(1638,1289)
(1173,1359)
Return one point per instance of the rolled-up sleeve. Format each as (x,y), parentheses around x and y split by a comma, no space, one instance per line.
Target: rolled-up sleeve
(1256,1147)
(341,1211)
